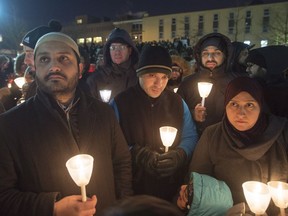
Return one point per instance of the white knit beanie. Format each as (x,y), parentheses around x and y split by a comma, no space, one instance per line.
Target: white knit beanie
(57,37)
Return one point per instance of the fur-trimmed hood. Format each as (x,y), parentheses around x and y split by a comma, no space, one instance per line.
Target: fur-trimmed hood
(182,63)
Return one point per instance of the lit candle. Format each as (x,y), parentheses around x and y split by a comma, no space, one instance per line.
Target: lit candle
(20,81)
(204,89)
(80,169)
(167,135)
(105,95)
(257,196)
(279,193)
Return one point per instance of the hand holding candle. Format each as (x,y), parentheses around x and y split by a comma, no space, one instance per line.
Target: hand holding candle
(80,169)
(168,135)
(204,89)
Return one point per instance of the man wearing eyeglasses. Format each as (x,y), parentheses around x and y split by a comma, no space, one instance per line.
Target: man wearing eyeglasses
(118,71)
(213,54)
(180,69)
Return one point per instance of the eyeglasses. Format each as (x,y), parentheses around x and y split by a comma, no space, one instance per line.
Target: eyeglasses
(216,54)
(176,69)
(118,47)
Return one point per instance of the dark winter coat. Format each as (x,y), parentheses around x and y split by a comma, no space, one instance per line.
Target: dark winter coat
(216,155)
(113,76)
(220,77)
(36,141)
(140,117)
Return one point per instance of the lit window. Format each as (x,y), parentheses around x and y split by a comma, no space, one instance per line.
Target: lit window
(79,21)
(264,43)
(97,39)
(80,40)
(89,40)
(247,42)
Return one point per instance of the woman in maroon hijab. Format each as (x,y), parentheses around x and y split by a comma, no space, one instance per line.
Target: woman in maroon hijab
(248,144)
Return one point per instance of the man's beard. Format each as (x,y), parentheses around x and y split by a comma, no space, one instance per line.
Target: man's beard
(57,87)
(175,82)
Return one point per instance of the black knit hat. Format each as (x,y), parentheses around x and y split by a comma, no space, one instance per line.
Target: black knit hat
(257,58)
(31,38)
(154,59)
(214,41)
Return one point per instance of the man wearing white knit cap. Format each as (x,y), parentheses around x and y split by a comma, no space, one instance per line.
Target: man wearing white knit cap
(63,122)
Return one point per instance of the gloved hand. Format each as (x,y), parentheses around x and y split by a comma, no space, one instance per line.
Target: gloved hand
(170,162)
(146,158)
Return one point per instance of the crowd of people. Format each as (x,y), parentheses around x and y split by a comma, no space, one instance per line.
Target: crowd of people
(240,134)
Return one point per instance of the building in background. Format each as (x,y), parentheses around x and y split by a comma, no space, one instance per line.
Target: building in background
(261,24)
(87,29)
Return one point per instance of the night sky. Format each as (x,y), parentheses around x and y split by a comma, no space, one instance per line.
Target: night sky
(39,12)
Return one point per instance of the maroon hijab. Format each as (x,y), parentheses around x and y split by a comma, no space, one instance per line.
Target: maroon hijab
(251,86)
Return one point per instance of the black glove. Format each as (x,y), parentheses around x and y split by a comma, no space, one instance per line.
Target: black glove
(170,162)
(146,158)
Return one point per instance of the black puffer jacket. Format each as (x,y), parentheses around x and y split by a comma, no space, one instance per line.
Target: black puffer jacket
(220,77)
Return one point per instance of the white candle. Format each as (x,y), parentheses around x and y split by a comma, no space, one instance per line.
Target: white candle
(167,135)
(80,169)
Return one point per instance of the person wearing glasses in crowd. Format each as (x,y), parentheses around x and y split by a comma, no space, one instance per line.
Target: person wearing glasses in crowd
(118,72)
(213,54)
(180,69)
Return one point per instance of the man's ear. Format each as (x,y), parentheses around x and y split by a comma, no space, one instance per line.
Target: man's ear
(81,67)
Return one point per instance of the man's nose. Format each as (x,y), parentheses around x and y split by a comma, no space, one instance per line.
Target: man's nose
(54,65)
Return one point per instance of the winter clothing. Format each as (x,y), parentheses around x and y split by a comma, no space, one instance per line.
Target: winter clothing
(185,70)
(244,84)
(59,37)
(273,59)
(2,109)
(237,67)
(210,196)
(273,82)
(113,76)
(154,59)
(32,165)
(256,154)
(216,42)
(182,63)
(257,58)
(31,38)
(219,76)
(217,155)
(143,205)
(140,122)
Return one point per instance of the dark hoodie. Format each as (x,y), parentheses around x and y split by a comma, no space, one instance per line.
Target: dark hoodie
(113,76)
(219,76)
(274,60)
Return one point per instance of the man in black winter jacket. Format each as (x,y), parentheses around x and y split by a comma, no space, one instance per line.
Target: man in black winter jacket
(41,134)
(213,54)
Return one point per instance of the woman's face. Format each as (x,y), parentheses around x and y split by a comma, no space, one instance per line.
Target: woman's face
(243,111)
